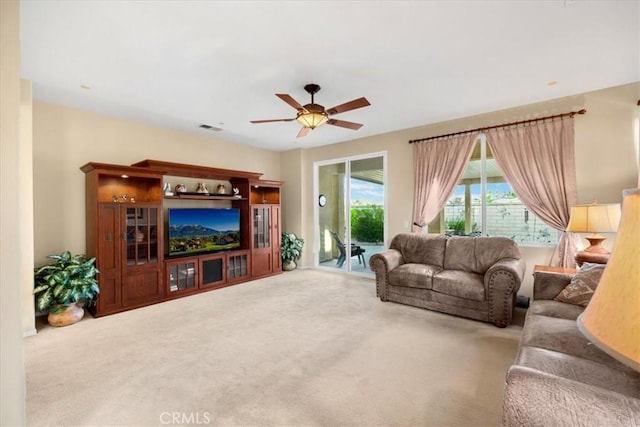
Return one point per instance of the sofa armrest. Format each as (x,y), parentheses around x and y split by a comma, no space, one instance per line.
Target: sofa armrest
(502,282)
(536,398)
(546,285)
(381,264)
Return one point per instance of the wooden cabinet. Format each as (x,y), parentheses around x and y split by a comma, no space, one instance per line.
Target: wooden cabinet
(124,233)
(125,211)
(142,271)
(212,270)
(193,274)
(182,276)
(238,266)
(265,228)
(265,239)
(104,244)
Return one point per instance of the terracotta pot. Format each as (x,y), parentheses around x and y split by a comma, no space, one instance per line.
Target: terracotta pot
(289,266)
(69,316)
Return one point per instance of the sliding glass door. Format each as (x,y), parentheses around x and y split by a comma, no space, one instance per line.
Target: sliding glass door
(350,213)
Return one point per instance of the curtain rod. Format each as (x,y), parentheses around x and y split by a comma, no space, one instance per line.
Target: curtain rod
(571,114)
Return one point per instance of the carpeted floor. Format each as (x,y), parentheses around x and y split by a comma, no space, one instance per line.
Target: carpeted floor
(305,348)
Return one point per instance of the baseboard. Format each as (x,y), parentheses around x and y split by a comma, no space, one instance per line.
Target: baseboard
(29,333)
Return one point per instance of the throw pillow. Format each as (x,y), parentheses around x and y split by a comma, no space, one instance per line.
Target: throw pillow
(582,286)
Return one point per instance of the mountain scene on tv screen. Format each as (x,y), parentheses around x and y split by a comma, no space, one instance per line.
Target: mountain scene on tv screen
(188,238)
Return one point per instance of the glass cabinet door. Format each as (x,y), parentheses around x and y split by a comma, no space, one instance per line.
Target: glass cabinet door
(237,266)
(261,227)
(182,275)
(141,235)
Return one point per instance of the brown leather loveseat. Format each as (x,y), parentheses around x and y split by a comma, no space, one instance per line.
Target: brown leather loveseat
(473,277)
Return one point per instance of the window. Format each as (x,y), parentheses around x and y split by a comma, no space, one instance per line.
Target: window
(484,204)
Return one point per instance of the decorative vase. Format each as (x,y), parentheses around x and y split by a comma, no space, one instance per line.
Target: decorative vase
(181,188)
(167,189)
(289,266)
(220,189)
(202,188)
(69,316)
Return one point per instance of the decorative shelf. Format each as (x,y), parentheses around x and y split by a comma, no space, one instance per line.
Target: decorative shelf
(193,171)
(202,196)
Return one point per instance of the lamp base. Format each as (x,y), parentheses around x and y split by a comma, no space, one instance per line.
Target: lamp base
(596,253)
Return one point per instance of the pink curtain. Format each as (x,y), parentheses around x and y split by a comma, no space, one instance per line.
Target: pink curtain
(538,161)
(438,165)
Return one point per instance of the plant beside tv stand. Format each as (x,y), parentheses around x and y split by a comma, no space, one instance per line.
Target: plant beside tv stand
(134,269)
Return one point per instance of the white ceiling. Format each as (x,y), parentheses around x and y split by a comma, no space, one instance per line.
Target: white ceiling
(179,64)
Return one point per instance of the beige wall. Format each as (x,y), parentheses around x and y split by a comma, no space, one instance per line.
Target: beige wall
(606,157)
(12,274)
(67,138)
(606,144)
(291,163)
(26,205)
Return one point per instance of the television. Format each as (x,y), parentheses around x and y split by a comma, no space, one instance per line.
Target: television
(198,230)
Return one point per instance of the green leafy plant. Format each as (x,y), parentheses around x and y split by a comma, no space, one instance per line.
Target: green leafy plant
(458,227)
(70,279)
(456,224)
(367,223)
(291,247)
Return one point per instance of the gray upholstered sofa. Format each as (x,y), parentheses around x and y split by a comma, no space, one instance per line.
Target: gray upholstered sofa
(474,277)
(559,378)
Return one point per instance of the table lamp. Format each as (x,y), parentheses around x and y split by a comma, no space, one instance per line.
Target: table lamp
(611,321)
(594,218)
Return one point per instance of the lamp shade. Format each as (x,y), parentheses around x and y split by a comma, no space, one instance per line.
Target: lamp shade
(594,218)
(612,319)
(311,119)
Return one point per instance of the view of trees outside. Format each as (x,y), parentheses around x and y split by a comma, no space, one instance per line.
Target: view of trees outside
(367,223)
(506,216)
(367,212)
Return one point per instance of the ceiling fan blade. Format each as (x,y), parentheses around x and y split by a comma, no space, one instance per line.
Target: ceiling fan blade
(303,132)
(272,120)
(344,124)
(348,106)
(289,100)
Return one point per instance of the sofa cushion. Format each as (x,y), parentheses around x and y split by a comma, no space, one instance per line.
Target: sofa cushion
(420,248)
(536,398)
(478,254)
(582,286)
(616,377)
(489,250)
(413,275)
(460,254)
(561,335)
(462,284)
(555,309)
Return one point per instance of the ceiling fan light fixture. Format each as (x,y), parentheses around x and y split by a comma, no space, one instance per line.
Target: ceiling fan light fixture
(312,115)
(311,119)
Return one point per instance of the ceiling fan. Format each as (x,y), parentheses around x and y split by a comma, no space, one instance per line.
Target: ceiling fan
(312,115)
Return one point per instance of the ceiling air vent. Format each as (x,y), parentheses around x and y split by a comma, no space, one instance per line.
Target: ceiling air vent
(211,128)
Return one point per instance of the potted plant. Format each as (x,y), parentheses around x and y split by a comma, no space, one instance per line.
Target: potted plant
(291,250)
(60,286)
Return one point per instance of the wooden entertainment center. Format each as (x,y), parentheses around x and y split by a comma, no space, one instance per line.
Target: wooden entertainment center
(125,220)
